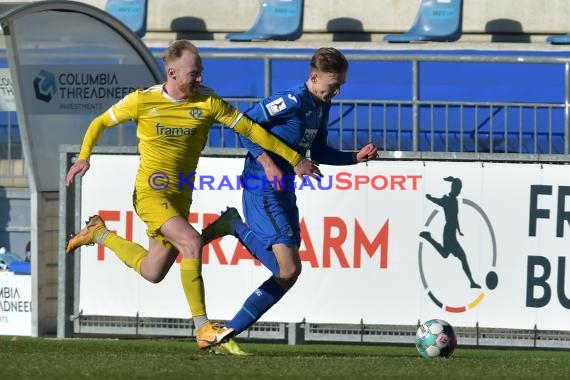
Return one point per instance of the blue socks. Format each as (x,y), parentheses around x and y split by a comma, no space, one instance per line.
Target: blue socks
(257,248)
(261,300)
(268,294)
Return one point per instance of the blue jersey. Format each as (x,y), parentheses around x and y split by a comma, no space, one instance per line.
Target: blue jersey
(300,121)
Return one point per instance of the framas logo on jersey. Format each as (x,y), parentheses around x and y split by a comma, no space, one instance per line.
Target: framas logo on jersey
(449,260)
(276,106)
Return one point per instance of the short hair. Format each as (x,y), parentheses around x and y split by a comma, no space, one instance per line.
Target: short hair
(176,49)
(329,60)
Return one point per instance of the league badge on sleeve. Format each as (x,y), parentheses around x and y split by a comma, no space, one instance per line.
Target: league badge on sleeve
(276,106)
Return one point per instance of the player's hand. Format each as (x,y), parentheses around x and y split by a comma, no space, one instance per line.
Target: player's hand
(368,152)
(308,167)
(273,173)
(79,167)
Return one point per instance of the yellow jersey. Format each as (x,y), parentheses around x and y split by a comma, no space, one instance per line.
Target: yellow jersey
(172,133)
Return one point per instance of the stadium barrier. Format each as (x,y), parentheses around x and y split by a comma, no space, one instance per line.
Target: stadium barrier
(539,110)
(397,101)
(534,322)
(460,113)
(304,332)
(425,103)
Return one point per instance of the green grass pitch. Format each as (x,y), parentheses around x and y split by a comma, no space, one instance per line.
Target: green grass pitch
(42,358)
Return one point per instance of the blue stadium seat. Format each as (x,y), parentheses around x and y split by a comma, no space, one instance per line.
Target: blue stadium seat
(559,40)
(277,20)
(131,12)
(437,20)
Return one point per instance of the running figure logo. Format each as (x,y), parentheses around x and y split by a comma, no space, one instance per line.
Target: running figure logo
(450,244)
(434,273)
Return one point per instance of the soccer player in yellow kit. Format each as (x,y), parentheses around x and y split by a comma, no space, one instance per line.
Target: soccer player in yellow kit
(173,120)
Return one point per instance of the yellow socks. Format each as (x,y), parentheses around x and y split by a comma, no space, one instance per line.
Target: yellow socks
(193,285)
(132,254)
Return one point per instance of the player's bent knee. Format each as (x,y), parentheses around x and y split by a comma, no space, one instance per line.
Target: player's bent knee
(154,278)
(290,274)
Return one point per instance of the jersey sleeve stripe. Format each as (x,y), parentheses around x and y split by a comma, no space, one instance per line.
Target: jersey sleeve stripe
(113,116)
(232,125)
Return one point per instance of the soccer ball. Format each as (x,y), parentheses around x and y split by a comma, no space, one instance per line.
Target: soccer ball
(436,339)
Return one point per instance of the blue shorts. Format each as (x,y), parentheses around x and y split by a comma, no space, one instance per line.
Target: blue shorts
(273,217)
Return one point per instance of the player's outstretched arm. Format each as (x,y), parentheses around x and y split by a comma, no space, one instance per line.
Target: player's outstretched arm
(257,134)
(79,167)
(92,136)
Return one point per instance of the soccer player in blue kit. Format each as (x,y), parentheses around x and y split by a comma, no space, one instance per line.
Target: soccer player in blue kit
(298,117)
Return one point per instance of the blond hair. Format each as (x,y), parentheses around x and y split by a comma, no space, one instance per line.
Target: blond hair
(176,49)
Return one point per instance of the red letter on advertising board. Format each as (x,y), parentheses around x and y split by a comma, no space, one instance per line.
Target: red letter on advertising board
(109,216)
(361,240)
(309,253)
(241,253)
(331,243)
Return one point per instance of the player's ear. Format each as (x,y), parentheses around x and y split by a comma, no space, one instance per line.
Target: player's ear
(314,76)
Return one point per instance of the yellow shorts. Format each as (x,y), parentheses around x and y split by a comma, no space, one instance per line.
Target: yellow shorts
(157,207)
